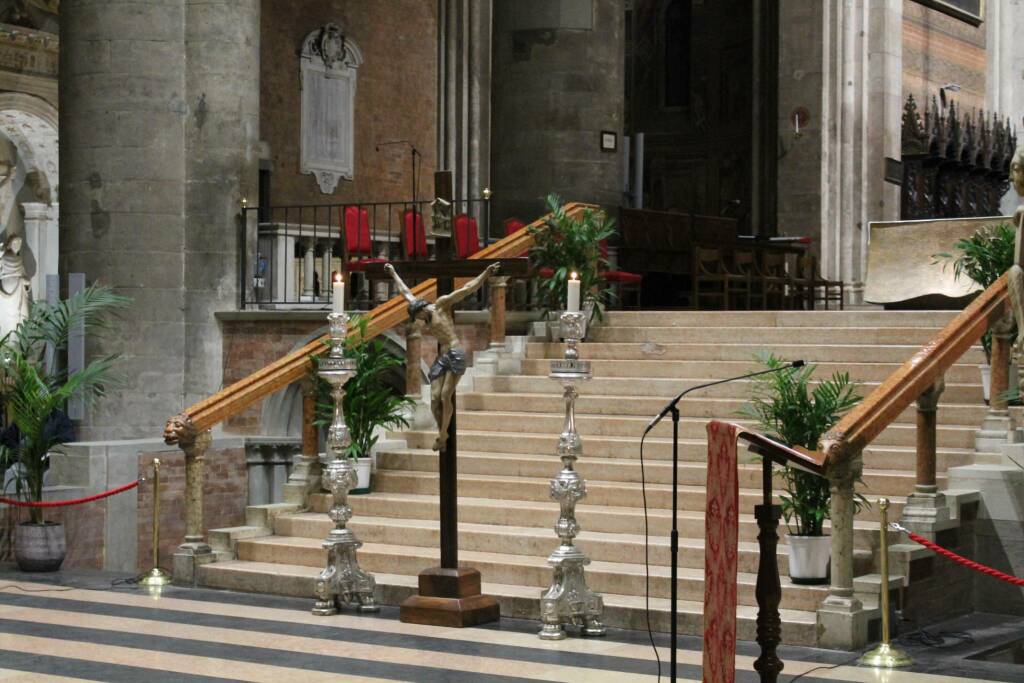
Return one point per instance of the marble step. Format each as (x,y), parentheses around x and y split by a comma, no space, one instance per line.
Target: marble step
(618,494)
(621,611)
(630,387)
(654,331)
(811,353)
(655,449)
(530,570)
(948,435)
(650,365)
(539,514)
(613,470)
(703,407)
(757,319)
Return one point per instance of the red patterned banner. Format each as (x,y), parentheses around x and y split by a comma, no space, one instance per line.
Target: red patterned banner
(721,541)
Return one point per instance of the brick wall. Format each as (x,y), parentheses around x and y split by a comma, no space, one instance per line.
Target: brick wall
(225,496)
(252,344)
(939,49)
(396,95)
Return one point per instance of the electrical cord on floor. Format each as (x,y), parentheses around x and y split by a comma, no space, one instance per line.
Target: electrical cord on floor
(827,667)
(647,562)
(16,587)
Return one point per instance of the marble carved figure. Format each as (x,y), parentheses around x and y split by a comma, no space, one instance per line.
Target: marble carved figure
(15,286)
(451,360)
(1015,279)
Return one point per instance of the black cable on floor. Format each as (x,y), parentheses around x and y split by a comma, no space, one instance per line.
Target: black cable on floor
(15,587)
(826,667)
(647,562)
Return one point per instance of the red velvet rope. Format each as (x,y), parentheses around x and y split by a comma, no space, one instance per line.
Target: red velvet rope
(62,503)
(970,564)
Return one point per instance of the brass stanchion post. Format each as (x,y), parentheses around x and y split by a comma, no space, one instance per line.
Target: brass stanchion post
(156,576)
(885,656)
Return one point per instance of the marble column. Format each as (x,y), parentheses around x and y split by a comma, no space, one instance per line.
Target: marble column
(42,240)
(325,269)
(308,268)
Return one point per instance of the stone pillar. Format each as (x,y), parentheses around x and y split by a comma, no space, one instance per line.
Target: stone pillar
(499,289)
(926,505)
(194,551)
(42,240)
(842,621)
(998,427)
(325,269)
(464,94)
(308,269)
(557,82)
(413,353)
(222,134)
(159,110)
(862,105)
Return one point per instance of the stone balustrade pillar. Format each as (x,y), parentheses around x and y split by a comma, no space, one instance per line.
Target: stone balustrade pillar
(926,506)
(499,290)
(842,620)
(325,269)
(998,427)
(194,551)
(413,353)
(309,269)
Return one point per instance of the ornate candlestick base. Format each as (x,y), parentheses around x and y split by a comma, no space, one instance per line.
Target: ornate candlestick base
(569,600)
(341,581)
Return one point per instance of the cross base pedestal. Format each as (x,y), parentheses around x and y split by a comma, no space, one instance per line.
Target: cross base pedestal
(449,597)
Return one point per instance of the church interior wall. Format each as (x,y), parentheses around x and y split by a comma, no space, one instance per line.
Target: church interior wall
(396,96)
(938,50)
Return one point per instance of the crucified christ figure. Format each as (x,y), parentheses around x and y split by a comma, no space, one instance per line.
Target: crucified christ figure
(451,358)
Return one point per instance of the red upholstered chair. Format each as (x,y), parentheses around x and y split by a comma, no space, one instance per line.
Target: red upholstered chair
(513,225)
(414,237)
(357,244)
(467,237)
(624,281)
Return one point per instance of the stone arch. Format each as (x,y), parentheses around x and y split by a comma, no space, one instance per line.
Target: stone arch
(31,124)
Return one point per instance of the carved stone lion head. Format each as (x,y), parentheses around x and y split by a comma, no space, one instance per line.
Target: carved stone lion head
(180,431)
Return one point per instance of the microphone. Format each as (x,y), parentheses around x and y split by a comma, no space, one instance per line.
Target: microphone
(672,404)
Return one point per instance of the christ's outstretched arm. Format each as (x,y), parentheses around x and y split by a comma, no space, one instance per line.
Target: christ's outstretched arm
(402,287)
(468,288)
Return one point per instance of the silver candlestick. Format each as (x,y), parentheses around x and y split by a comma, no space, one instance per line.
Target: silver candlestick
(342,581)
(569,600)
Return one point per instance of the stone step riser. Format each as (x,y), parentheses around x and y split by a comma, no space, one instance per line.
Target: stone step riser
(793,597)
(666,388)
(702,407)
(867,336)
(631,363)
(751,319)
(597,493)
(690,474)
(812,353)
(513,606)
(538,516)
(690,451)
(595,427)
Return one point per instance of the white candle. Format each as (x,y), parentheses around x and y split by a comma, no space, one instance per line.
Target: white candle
(338,295)
(573,305)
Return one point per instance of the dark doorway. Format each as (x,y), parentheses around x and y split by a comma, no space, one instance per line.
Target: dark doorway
(689,89)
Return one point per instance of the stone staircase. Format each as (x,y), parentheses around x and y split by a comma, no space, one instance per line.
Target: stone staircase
(508,427)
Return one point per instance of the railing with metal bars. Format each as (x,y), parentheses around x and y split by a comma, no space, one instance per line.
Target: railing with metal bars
(290,252)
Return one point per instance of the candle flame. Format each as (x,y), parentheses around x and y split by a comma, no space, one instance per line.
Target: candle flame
(337,277)
(574,276)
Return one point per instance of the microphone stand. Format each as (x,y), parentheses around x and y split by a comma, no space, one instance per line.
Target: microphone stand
(673,410)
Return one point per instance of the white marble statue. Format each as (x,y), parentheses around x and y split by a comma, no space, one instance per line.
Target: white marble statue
(15,286)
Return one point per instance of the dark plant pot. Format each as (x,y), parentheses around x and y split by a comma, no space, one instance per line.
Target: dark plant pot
(40,547)
(809,559)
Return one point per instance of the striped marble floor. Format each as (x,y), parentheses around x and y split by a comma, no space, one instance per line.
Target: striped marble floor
(88,628)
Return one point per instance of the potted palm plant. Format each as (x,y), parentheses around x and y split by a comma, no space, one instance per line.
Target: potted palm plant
(34,389)
(567,245)
(370,403)
(786,408)
(984,257)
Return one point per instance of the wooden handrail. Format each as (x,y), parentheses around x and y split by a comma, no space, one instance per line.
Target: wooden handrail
(235,398)
(916,376)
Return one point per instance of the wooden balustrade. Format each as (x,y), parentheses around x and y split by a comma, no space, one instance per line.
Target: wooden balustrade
(192,426)
(918,379)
